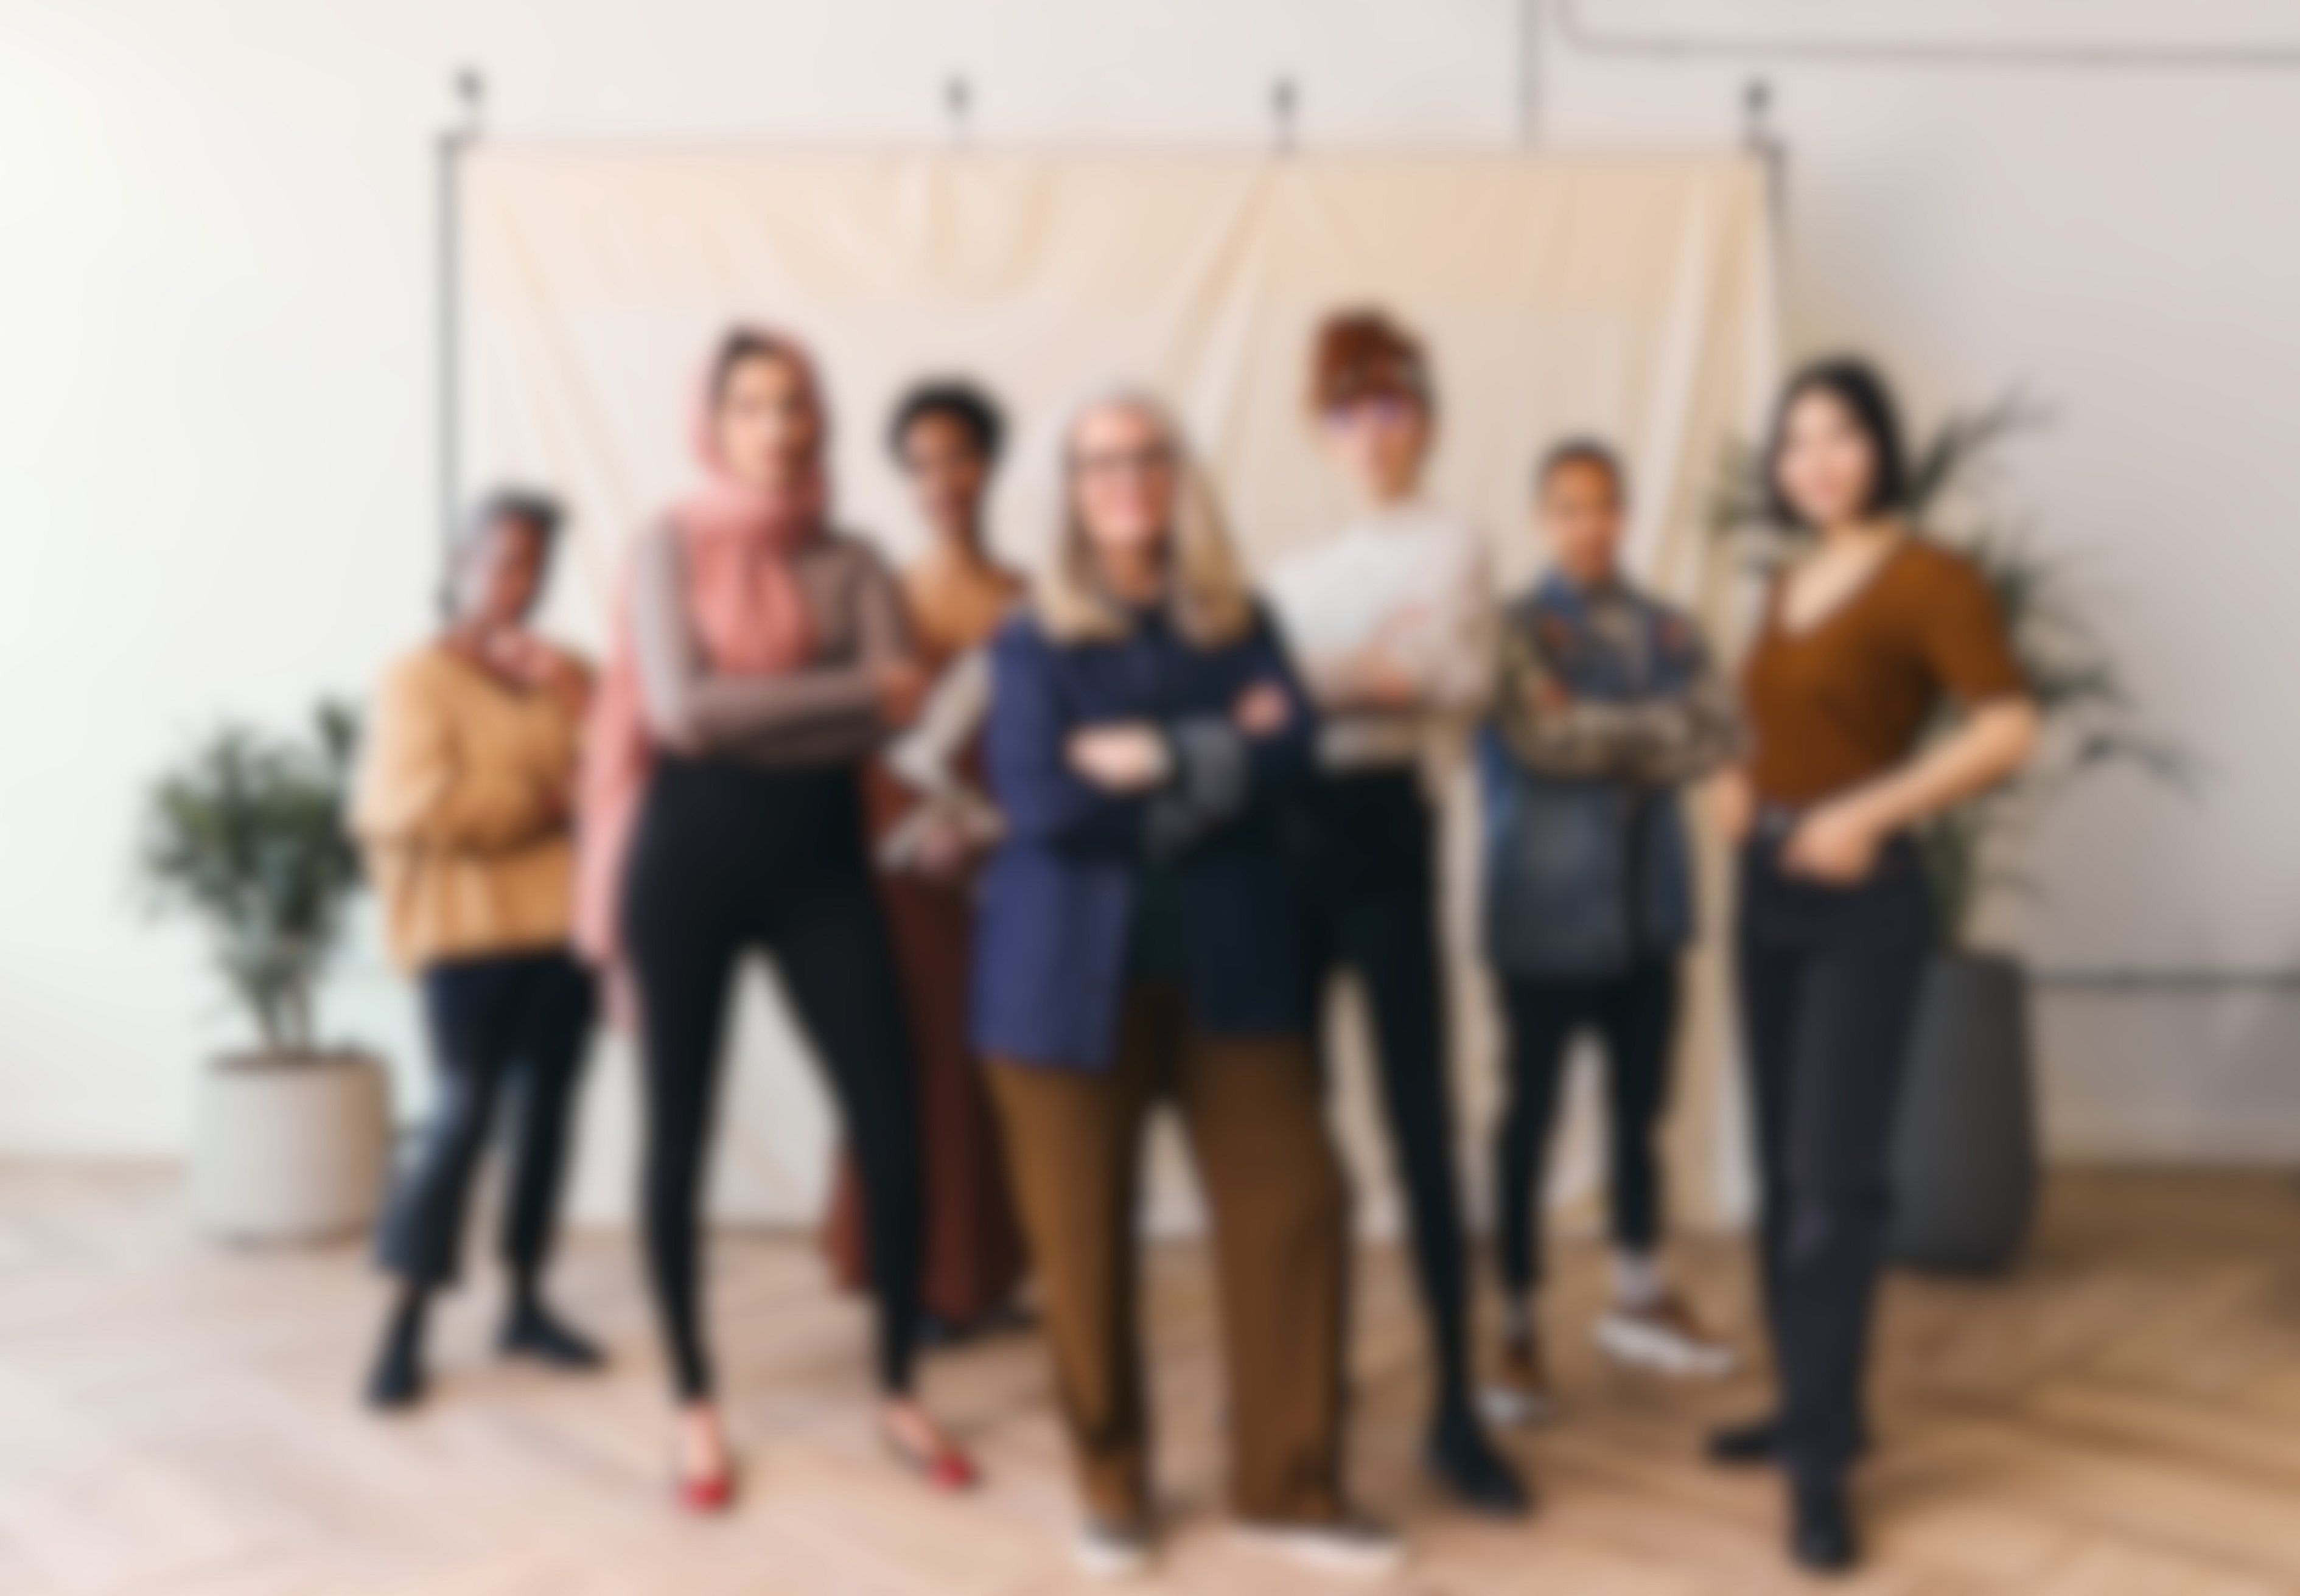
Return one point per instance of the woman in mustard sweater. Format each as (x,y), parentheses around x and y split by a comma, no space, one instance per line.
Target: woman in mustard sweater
(463,810)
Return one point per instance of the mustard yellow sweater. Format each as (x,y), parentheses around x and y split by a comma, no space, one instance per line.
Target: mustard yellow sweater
(462,812)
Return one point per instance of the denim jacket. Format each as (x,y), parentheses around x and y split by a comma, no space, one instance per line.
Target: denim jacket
(1606,704)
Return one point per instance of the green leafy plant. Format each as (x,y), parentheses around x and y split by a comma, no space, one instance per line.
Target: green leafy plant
(2091,717)
(246,836)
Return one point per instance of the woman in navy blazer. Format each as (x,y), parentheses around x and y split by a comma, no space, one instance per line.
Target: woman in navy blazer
(1138,942)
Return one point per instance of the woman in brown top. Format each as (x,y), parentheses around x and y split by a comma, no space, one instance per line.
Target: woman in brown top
(932,825)
(764,658)
(462,810)
(1865,639)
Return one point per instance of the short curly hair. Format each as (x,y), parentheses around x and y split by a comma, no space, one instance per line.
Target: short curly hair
(1582,449)
(963,402)
(540,512)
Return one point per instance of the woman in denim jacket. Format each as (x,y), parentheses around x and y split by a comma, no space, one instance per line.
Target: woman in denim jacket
(1606,704)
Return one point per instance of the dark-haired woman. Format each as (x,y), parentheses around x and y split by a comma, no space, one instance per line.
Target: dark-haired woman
(1864,639)
(931,826)
(465,795)
(1392,619)
(763,657)
(1139,945)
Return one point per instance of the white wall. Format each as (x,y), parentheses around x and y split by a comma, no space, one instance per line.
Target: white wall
(214,401)
(2124,245)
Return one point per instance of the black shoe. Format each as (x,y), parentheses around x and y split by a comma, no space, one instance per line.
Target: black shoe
(533,1332)
(937,1333)
(1746,1445)
(1477,1476)
(395,1382)
(1822,1537)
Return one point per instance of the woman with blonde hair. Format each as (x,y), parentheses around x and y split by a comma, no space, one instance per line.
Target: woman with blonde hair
(1137,942)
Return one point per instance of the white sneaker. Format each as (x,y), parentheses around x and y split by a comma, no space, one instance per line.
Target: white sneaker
(1520,1394)
(1113,1551)
(1664,1336)
(1349,1545)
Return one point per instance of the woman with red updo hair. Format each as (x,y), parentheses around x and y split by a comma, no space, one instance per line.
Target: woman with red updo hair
(1390,621)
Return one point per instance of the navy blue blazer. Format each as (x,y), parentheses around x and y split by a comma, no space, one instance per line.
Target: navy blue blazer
(1056,903)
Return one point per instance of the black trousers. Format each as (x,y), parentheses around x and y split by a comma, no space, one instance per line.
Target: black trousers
(1830,979)
(730,857)
(1364,850)
(516,1022)
(1635,1014)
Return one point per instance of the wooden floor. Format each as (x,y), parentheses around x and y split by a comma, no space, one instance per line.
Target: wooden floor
(2122,1417)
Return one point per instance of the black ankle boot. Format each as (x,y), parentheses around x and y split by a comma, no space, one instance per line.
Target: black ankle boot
(531,1330)
(1746,1445)
(1476,1476)
(396,1379)
(1822,1537)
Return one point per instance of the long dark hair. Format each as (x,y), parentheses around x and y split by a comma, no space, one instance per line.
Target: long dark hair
(1861,390)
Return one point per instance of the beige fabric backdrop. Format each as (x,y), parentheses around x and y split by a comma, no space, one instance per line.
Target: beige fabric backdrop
(1632,297)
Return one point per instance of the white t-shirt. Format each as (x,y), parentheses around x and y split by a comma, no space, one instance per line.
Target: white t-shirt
(1415,578)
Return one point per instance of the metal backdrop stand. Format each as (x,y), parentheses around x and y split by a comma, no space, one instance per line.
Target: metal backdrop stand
(447,180)
(1578,36)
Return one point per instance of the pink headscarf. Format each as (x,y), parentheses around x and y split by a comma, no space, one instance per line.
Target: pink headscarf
(745,606)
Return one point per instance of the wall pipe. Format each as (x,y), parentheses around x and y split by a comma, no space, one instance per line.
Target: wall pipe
(1594,40)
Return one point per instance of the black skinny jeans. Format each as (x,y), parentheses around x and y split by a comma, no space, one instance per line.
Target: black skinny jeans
(1364,848)
(728,857)
(1830,979)
(518,1021)
(1635,1014)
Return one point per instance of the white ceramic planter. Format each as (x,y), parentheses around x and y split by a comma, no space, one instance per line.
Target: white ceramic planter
(290,1149)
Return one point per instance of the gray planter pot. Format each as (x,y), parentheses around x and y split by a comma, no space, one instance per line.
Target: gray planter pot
(1965,1156)
(290,1149)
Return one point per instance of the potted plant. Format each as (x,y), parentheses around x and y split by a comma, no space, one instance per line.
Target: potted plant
(246,836)
(1965,1157)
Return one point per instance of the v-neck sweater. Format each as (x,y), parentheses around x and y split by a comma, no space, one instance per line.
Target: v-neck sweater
(1845,698)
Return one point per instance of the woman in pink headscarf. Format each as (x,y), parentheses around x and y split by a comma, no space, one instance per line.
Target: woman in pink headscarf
(763,657)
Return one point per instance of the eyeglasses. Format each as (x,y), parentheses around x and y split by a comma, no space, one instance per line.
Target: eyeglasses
(1375,410)
(1123,462)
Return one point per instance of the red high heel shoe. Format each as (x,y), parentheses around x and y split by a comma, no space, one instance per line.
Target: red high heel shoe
(705,1495)
(949,1470)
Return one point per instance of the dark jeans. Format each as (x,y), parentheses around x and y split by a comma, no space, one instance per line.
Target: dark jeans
(1635,1015)
(1830,978)
(730,857)
(1363,848)
(518,1021)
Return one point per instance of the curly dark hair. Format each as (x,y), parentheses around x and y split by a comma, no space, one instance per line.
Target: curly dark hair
(963,402)
(1583,451)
